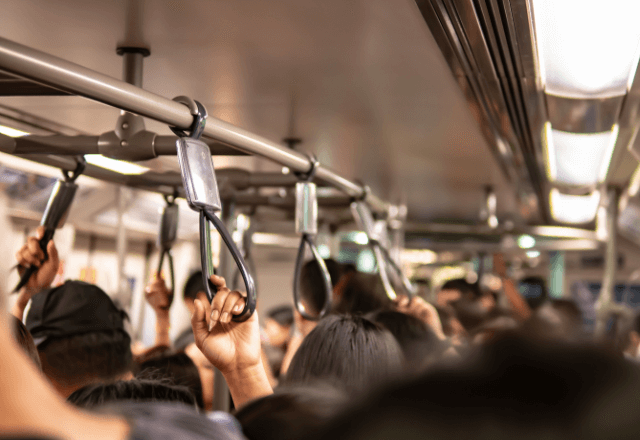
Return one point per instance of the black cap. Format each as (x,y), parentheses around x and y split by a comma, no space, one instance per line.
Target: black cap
(71,309)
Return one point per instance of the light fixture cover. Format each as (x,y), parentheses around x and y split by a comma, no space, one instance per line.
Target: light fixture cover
(587,48)
(579,158)
(12,132)
(568,208)
(119,166)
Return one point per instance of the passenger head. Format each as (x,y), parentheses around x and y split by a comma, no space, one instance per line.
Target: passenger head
(534,291)
(176,368)
(514,389)
(135,390)
(350,351)
(312,288)
(451,326)
(556,320)
(25,341)
(291,413)
(193,285)
(362,293)
(420,345)
(80,336)
(454,290)
(278,325)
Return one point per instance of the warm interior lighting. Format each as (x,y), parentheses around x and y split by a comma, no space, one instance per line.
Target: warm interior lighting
(526,241)
(567,208)
(533,254)
(119,166)
(587,48)
(12,132)
(418,256)
(579,158)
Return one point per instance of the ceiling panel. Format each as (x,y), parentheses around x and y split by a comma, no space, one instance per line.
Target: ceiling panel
(362,83)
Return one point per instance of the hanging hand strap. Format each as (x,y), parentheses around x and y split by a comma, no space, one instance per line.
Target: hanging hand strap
(307,224)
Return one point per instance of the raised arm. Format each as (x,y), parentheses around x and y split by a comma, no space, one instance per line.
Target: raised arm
(160,298)
(31,254)
(519,306)
(232,347)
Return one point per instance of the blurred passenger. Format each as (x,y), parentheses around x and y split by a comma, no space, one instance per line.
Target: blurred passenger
(454,290)
(451,326)
(136,390)
(520,308)
(25,341)
(514,389)
(177,368)
(534,290)
(421,346)
(362,293)
(291,413)
(80,336)
(278,332)
(628,338)
(556,320)
(349,351)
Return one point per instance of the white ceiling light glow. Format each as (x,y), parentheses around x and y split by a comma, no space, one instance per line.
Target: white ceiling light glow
(119,166)
(587,48)
(567,208)
(579,158)
(12,132)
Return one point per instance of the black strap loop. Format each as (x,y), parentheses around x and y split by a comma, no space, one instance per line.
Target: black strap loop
(172,273)
(207,264)
(326,280)
(81,164)
(199,121)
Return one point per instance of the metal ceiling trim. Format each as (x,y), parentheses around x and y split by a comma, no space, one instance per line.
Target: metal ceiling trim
(583,115)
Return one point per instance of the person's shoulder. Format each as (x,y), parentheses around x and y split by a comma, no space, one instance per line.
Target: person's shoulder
(164,421)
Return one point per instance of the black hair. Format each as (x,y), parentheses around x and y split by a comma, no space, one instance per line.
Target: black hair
(25,341)
(291,413)
(336,270)
(514,389)
(136,390)
(361,294)
(104,355)
(312,289)
(420,345)
(461,285)
(193,285)
(177,368)
(350,351)
(283,315)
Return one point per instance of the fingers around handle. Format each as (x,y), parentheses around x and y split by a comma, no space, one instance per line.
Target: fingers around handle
(326,279)
(250,305)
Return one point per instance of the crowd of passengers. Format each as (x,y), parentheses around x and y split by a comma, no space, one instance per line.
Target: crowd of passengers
(473,364)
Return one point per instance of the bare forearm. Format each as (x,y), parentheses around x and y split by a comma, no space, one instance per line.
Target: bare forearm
(248,384)
(518,304)
(162,328)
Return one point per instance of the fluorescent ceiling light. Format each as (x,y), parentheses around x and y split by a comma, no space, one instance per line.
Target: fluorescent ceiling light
(418,256)
(12,132)
(119,166)
(533,254)
(526,241)
(587,48)
(567,208)
(360,238)
(579,158)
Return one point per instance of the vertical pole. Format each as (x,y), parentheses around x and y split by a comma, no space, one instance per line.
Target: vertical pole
(556,274)
(123,290)
(606,300)
(220,388)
